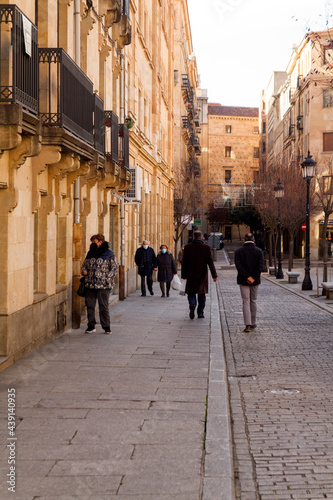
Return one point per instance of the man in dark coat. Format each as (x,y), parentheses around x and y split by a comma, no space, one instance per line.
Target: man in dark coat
(197,257)
(99,268)
(249,262)
(145,259)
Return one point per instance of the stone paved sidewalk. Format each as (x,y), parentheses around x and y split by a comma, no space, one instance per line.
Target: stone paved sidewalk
(122,416)
(281,389)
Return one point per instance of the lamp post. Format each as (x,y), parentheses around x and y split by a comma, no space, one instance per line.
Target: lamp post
(308,169)
(279,193)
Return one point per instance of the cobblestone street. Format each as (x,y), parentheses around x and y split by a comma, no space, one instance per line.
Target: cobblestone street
(281,391)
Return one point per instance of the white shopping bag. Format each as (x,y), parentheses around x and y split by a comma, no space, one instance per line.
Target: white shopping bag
(176,284)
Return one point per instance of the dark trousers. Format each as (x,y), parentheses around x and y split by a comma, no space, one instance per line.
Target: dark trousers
(149,283)
(192,300)
(102,296)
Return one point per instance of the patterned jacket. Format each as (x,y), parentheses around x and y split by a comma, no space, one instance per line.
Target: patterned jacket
(101,266)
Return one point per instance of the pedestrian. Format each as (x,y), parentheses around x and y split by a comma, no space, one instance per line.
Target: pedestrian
(145,259)
(99,268)
(197,258)
(167,268)
(249,262)
(180,254)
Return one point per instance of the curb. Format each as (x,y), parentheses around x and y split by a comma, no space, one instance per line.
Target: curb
(218,482)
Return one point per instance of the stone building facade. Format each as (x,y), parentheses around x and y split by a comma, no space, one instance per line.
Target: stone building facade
(297,109)
(231,156)
(87,146)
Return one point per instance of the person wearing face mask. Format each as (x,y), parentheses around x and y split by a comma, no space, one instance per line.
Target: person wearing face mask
(166,266)
(145,259)
(99,268)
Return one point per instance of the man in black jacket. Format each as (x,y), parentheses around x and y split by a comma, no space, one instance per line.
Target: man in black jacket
(197,258)
(250,262)
(146,261)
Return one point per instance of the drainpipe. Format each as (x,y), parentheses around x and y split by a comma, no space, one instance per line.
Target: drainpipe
(122,198)
(77,226)
(77,23)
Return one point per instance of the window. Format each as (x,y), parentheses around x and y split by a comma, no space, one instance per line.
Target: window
(228,129)
(256,130)
(227,176)
(327,184)
(264,147)
(255,152)
(264,127)
(227,153)
(328,98)
(328,56)
(328,141)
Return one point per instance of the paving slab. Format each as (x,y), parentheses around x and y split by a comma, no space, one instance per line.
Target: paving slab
(123,416)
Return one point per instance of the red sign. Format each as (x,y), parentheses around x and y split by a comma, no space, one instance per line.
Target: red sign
(303,227)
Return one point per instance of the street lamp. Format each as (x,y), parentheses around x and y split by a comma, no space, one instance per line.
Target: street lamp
(308,170)
(279,193)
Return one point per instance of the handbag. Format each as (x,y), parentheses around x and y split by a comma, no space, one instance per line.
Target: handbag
(81,291)
(176,284)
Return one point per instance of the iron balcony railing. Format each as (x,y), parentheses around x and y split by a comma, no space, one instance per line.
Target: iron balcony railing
(186,122)
(187,90)
(99,124)
(18,59)
(66,94)
(124,145)
(111,136)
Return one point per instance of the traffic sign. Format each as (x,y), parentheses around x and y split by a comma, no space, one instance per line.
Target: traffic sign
(303,227)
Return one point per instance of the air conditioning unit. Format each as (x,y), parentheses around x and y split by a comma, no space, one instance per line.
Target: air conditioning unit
(134,192)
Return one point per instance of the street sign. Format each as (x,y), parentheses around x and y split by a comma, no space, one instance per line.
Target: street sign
(197,222)
(303,227)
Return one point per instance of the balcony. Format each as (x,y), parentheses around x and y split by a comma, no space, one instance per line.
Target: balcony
(299,82)
(299,122)
(111,136)
(123,29)
(196,145)
(193,167)
(187,91)
(66,94)
(19,59)
(99,124)
(124,146)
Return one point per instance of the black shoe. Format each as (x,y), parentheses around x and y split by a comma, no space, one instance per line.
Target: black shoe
(253,327)
(192,309)
(143,295)
(168,295)
(151,293)
(201,315)
(247,328)
(162,295)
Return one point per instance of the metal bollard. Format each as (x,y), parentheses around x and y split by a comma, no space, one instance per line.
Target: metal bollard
(214,254)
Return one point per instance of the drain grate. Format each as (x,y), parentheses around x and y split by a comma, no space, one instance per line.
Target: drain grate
(243,377)
(283,391)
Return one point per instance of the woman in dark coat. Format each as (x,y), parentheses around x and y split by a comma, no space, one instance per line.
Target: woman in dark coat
(166,269)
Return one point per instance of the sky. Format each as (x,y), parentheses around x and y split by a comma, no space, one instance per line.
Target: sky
(239,43)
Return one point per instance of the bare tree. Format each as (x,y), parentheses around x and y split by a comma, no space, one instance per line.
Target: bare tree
(264,202)
(324,194)
(293,205)
(186,198)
